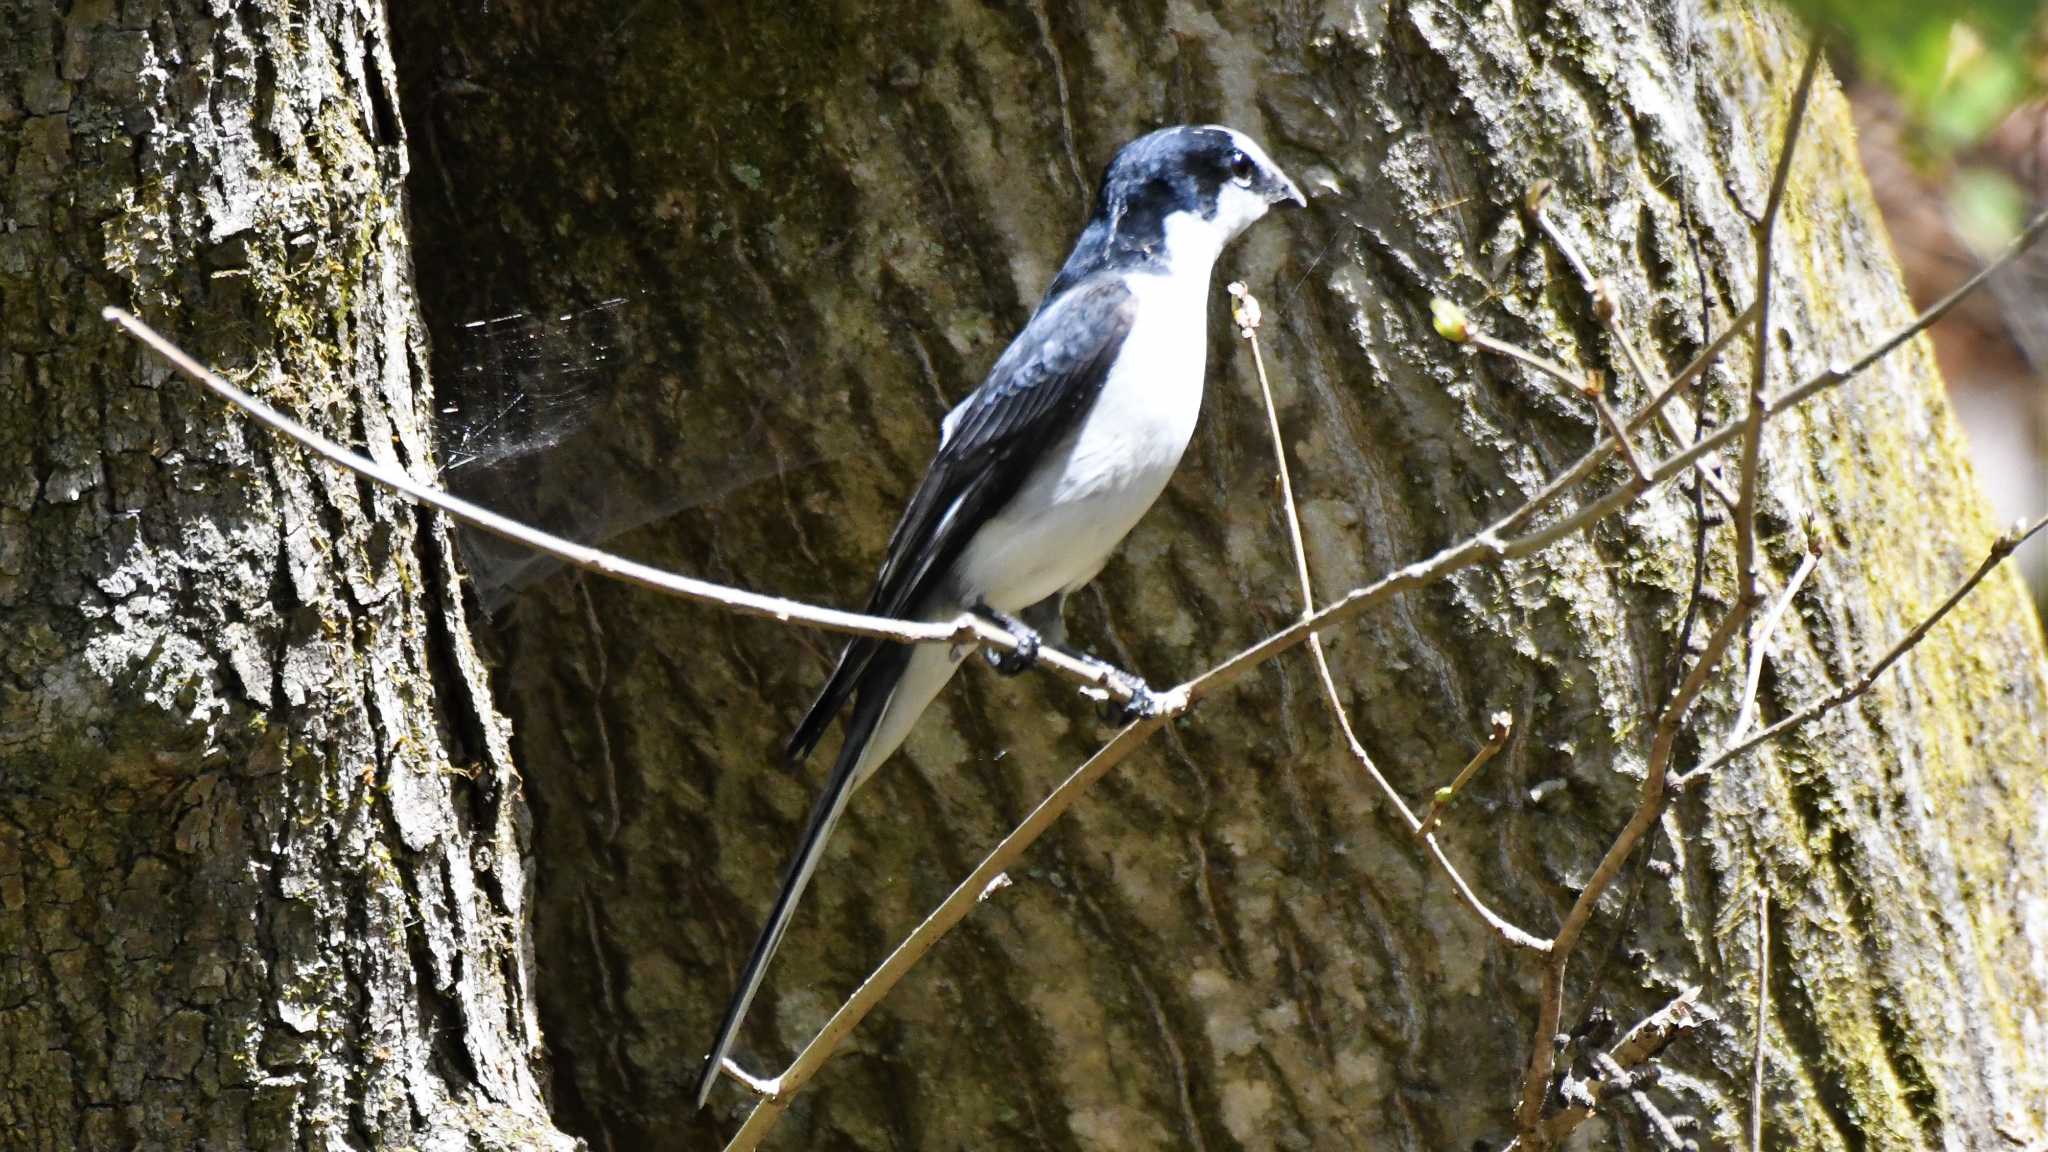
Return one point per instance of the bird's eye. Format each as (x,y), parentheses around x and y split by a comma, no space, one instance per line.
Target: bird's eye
(1241,169)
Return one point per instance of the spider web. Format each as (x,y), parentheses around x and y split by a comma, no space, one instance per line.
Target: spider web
(534,409)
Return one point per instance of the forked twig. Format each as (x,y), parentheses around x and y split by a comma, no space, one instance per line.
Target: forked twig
(2000,549)
(1759,364)
(1245,311)
(1654,796)
(1491,545)
(1682,1016)
(1649,806)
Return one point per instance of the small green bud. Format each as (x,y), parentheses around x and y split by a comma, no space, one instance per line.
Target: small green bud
(1449,320)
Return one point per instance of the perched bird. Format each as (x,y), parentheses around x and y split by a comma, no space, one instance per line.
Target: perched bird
(1044,469)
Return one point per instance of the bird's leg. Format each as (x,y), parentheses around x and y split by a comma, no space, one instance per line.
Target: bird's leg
(1132,699)
(1024,655)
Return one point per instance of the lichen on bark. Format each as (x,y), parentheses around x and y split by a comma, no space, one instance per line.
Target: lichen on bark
(824,228)
(261,879)
(261,866)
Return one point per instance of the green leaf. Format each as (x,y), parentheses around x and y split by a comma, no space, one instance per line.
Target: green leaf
(1958,67)
(1987,206)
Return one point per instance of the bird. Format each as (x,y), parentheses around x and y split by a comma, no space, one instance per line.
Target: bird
(1043,469)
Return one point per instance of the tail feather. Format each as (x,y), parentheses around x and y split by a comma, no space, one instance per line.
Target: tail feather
(878,675)
(846,676)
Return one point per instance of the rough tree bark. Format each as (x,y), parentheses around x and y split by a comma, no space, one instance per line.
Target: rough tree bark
(248,901)
(261,874)
(824,225)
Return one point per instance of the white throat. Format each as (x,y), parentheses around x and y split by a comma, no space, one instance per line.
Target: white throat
(1193,242)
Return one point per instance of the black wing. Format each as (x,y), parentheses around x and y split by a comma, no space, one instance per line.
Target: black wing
(1050,374)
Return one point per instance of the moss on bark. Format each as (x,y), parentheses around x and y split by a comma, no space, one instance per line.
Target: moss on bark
(260,875)
(824,224)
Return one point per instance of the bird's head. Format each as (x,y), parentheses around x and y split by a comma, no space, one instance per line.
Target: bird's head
(1190,190)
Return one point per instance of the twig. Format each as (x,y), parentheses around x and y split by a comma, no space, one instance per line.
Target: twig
(1641,1044)
(1503,724)
(1588,385)
(1654,797)
(954,908)
(1763,1008)
(1604,447)
(1760,643)
(1834,374)
(1999,550)
(1828,378)
(1649,806)
(1536,200)
(964,629)
(1490,545)
(1245,311)
(1759,364)
(1629,1082)
(1616,429)
(1521,355)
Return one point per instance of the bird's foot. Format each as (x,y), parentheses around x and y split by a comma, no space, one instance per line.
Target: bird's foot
(1141,702)
(1018,659)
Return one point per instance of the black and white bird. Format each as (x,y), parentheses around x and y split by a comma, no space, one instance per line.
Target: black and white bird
(1044,469)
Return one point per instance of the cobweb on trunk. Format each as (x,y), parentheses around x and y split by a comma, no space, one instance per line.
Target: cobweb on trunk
(545,416)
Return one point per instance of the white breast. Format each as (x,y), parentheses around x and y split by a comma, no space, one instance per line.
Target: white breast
(1092,488)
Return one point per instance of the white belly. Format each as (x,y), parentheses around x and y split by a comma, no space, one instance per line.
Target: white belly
(1056,533)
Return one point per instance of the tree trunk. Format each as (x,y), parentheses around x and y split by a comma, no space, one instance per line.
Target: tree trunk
(262,879)
(261,863)
(808,233)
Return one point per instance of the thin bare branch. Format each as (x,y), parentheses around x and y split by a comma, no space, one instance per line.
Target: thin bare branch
(1618,430)
(1523,356)
(1654,796)
(1763,1008)
(1828,378)
(1587,385)
(1503,724)
(1605,446)
(1640,1045)
(1608,313)
(2000,549)
(1650,805)
(1492,545)
(1245,310)
(777,1093)
(1759,366)
(965,629)
(1760,643)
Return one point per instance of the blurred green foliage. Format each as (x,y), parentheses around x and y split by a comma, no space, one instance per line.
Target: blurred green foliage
(1959,69)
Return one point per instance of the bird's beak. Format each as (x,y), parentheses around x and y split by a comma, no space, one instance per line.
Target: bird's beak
(1284,191)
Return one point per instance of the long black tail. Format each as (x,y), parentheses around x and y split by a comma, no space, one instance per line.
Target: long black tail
(877,681)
